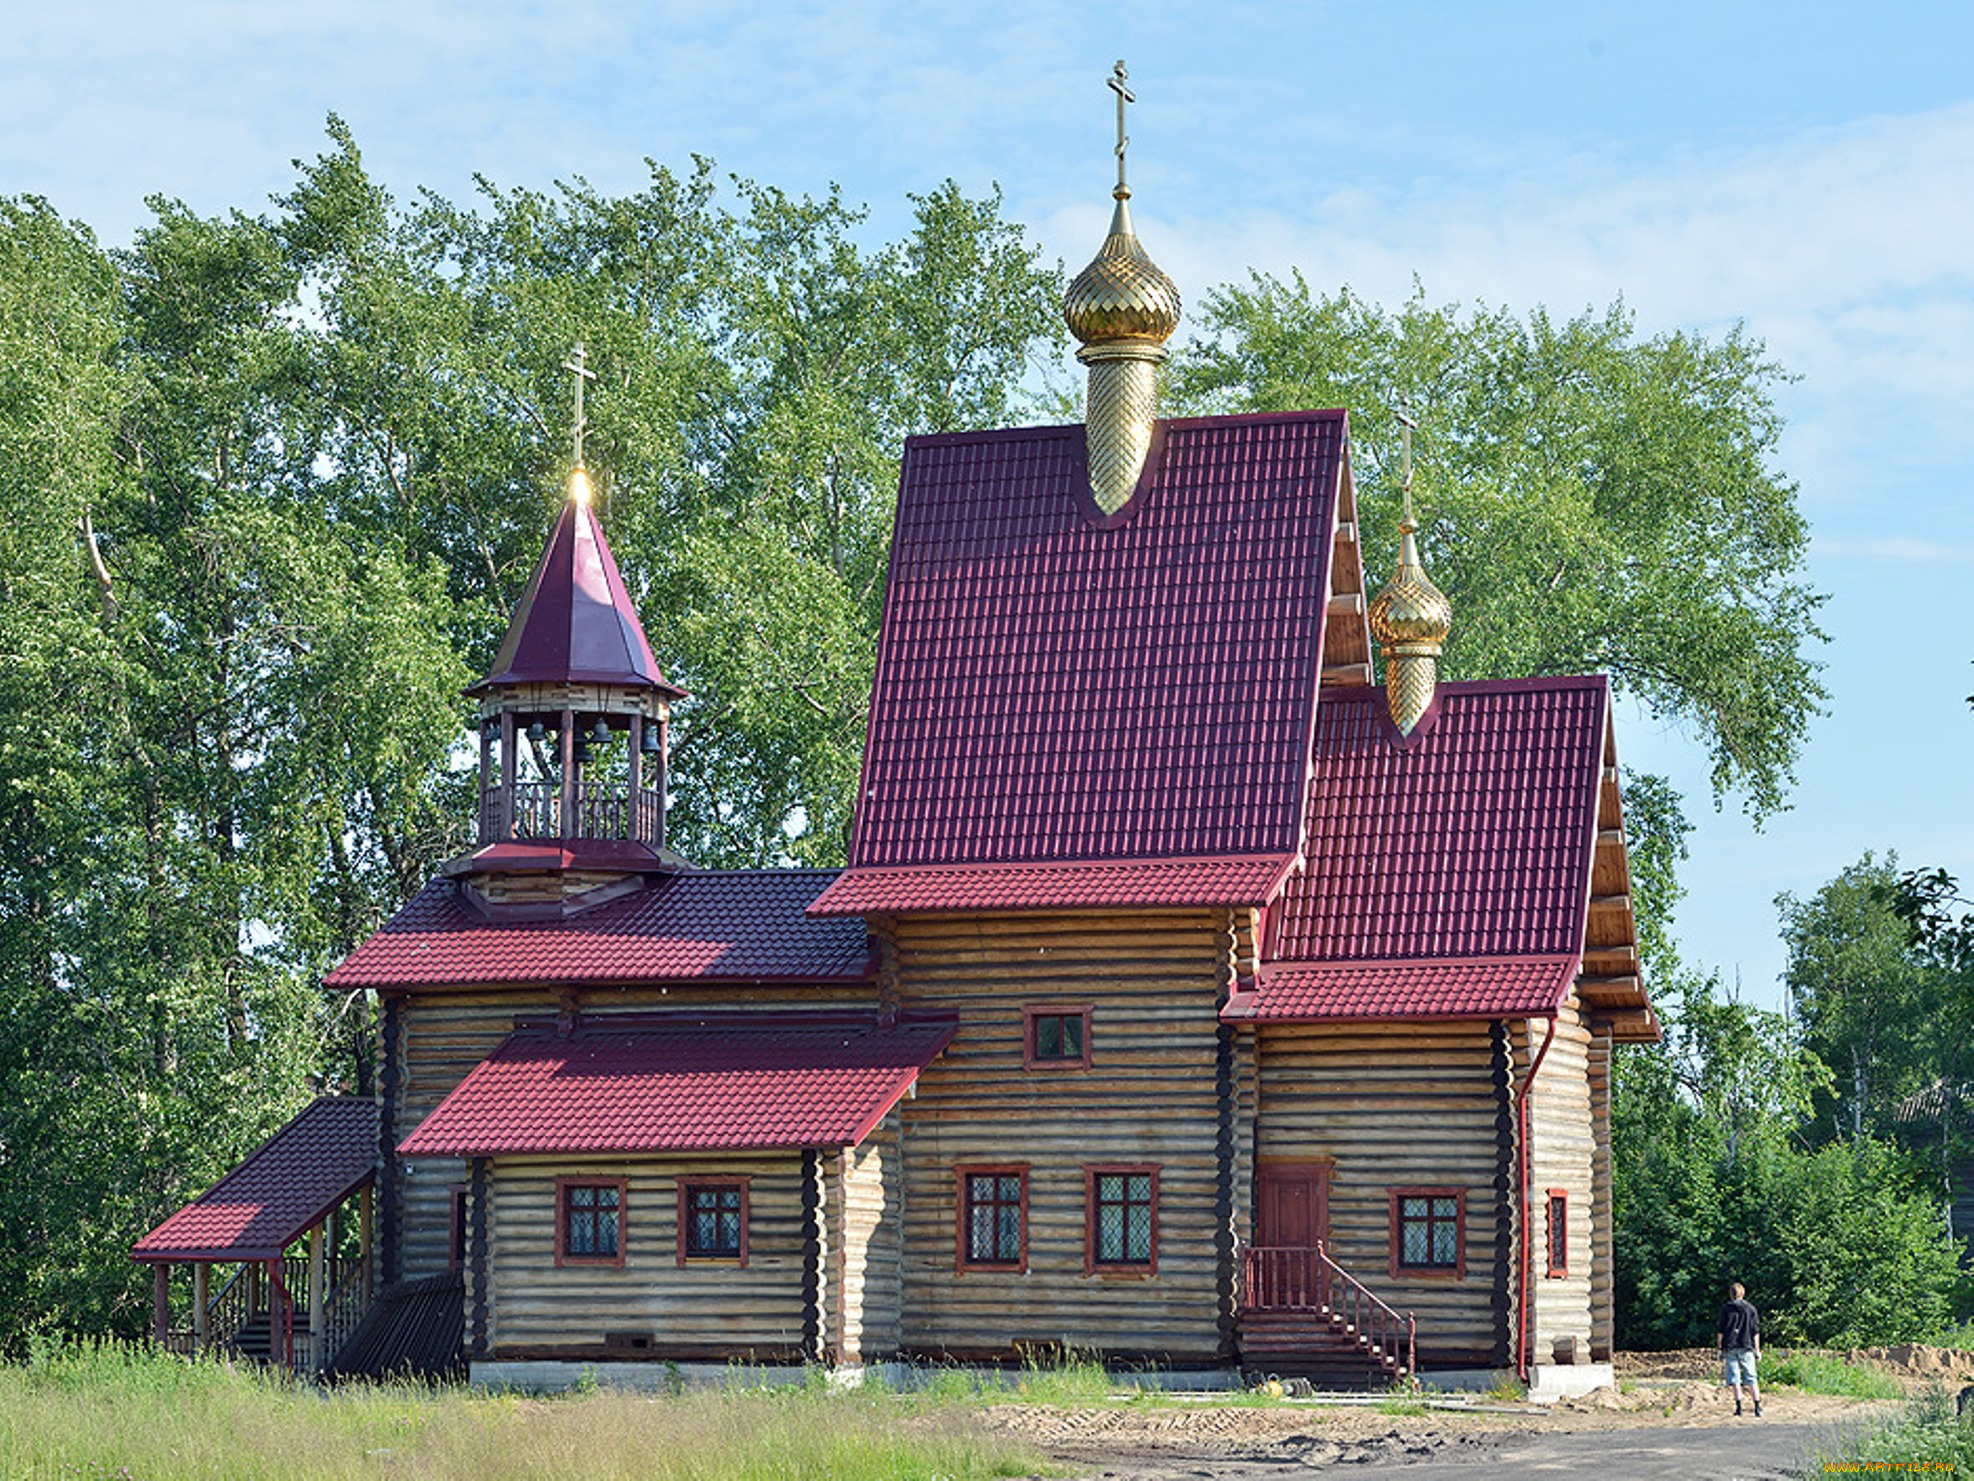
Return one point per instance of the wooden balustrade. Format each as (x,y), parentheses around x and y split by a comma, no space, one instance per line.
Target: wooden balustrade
(602,810)
(1296,1278)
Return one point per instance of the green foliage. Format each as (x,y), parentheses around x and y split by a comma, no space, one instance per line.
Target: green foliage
(1929,1435)
(1591,500)
(1821,1373)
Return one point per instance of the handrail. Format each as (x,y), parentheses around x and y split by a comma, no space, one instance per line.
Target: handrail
(602,809)
(1305,1278)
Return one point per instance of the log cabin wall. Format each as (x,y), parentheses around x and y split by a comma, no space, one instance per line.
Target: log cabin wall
(1391,1106)
(1153,984)
(1603,1293)
(705,1310)
(442,1034)
(864,1284)
(1562,1152)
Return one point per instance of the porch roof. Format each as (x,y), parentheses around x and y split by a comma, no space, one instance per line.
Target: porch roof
(714,1083)
(287,1185)
(1445,988)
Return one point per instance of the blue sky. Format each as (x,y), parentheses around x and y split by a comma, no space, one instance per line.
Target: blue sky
(1806,169)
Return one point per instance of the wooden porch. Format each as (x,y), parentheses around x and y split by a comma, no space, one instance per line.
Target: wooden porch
(1303,1315)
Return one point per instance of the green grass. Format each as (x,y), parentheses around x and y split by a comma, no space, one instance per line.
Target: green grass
(124,1412)
(1820,1373)
(1927,1435)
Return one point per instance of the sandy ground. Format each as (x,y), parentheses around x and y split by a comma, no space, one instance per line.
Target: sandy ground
(1672,1419)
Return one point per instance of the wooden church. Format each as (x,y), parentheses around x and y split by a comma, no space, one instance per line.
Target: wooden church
(1188,1000)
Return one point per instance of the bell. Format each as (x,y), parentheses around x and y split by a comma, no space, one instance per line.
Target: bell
(602,731)
(536,732)
(652,740)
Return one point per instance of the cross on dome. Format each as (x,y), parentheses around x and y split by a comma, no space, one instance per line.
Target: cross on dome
(1117,80)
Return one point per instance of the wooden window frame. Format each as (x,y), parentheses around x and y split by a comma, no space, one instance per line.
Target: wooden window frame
(962,1208)
(1128,1269)
(456,1233)
(1558,1219)
(562,1255)
(1458,1269)
(1030,1060)
(686,1187)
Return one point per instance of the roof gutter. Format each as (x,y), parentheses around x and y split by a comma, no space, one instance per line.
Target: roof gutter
(1521,1305)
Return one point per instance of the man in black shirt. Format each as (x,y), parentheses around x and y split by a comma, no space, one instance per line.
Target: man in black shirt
(1741,1344)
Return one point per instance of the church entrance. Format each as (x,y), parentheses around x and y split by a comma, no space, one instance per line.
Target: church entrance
(1292,1222)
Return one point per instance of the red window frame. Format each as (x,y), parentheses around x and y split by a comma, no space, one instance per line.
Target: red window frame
(1558,1223)
(1458,1269)
(1092,1263)
(1031,1060)
(963,1175)
(687,1187)
(562,1187)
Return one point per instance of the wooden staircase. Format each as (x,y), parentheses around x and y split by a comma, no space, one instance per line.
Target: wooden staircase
(1304,1316)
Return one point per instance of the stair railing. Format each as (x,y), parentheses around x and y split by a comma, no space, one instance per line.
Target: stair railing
(1305,1278)
(343,1308)
(229,1309)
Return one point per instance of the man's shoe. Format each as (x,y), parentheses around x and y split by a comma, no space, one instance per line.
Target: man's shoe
(1737,1406)
(1758,1409)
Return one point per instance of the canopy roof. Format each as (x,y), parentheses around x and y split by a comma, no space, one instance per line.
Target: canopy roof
(284,1188)
(1477,987)
(575,623)
(709,1084)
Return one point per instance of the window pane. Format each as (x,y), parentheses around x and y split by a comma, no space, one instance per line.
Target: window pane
(1009,1248)
(605,1197)
(1412,1250)
(582,1198)
(1110,1188)
(1445,1244)
(1110,1232)
(1139,1186)
(606,1229)
(1444,1208)
(1138,1223)
(582,1233)
(1072,1036)
(1411,1208)
(1048,1037)
(980,1235)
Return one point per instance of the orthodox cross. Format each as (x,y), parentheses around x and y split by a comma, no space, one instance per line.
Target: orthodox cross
(1406,424)
(576,367)
(1124,95)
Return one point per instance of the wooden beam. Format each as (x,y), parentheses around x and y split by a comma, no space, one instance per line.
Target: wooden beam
(201,1298)
(1611,837)
(1347,532)
(366,1251)
(1347,604)
(317,1296)
(1351,674)
(161,1301)
(1607,903)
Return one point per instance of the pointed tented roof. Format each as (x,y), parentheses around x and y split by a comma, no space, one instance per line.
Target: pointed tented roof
(575,621)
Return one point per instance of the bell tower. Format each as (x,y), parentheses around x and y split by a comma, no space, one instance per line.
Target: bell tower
(574,729)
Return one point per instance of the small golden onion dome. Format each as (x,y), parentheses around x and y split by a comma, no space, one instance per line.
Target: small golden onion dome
(1410,615)
(1122,295)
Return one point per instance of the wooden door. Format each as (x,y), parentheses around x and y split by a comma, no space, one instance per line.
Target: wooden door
(1294,1210)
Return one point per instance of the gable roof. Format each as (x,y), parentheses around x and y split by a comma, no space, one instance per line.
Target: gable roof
(575,622)
(285,1186)
(706,1085)
(700,926)
(1054,688)
(1471,839)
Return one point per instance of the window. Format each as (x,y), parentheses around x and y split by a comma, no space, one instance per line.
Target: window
(456,1258)
(1121,1235)
(1429,1231)
(713,1219)
(1056,1038)
(993,1231)
(1559,1232)
(589,1222)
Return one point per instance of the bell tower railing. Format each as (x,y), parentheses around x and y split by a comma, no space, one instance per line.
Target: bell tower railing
(573,790)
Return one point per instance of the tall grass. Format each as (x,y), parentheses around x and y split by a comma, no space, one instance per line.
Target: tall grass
(1929,1435)
(114,1412)
(1820,1373)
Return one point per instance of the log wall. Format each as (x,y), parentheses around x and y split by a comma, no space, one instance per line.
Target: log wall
(707,1309)
(1562,1151)
(1395,1106)
(1603,1292)
(863,1224)
(1150,1095)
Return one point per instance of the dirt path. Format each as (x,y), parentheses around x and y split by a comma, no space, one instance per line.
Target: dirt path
(1663,1429)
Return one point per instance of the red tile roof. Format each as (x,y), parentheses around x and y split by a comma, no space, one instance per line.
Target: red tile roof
(1049,690)
(694,1086)
(284,1187)
(1124,884)
(1472,839)
(1476,987)
(575,621)
(702,926)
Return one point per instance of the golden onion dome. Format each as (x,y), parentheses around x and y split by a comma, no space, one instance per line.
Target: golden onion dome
(1122,294)
(1410,613)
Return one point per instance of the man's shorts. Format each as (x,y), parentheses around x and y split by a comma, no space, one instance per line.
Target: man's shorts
(1739,1363)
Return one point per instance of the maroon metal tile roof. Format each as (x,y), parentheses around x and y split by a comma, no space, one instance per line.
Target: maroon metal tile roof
(696,1086)
(1476,987)
(1051,690)
(284,1187)
(575,621)
(1474,838)
(703,925)
(1107,884)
